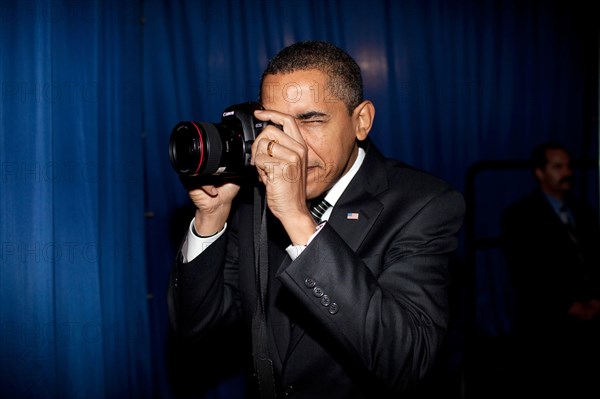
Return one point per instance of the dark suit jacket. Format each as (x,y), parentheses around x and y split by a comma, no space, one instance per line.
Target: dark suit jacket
(545,265)
(386,272)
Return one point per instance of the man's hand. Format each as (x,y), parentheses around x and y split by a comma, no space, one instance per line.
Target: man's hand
(280,157)
(213,204)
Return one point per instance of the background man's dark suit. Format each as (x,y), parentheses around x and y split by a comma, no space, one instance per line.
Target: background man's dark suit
(549,276)
(386,273)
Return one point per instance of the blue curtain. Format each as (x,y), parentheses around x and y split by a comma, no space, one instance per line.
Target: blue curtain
(92,213)
(73,294)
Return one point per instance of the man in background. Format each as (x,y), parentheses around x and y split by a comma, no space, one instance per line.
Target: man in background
(551,242)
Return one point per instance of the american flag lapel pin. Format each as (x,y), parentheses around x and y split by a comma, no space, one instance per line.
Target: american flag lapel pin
(352,216)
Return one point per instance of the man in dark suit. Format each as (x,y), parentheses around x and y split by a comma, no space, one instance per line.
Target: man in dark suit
(354,304)
(551,242)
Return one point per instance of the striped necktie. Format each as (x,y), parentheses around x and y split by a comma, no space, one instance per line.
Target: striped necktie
(319,209)
(567,222)
(564,216)
(570,226)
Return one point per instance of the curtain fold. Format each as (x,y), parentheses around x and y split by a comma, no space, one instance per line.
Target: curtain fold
(73,305)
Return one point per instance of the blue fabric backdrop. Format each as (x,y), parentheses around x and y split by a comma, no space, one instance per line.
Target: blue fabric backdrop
(73,294)
(92,213)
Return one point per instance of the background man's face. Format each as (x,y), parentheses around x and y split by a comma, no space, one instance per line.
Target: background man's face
(555,177)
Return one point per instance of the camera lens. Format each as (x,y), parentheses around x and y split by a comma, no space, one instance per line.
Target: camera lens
(195,148)
(221,149)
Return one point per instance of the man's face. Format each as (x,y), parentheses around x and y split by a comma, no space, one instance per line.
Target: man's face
(555,178)
(324,122)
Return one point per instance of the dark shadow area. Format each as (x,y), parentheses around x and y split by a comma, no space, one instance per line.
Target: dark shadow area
(213,368)
(210,370)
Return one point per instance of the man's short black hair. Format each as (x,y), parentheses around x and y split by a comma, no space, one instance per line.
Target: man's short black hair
(345,80)
(538,155)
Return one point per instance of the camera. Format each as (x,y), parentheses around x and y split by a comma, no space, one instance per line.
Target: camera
(216,149)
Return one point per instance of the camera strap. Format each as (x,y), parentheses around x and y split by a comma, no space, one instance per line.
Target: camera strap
(263,365)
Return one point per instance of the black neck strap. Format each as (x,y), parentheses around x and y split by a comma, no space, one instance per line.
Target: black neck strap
(263,365)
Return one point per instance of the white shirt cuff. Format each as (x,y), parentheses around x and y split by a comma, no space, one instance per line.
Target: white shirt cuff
(194,245)
(295,250)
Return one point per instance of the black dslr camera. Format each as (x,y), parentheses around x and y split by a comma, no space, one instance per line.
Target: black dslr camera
(203,149)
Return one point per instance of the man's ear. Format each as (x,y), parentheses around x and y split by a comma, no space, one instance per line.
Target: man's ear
(363,116)
(539,174)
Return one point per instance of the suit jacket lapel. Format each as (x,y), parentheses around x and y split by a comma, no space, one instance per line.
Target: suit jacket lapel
(353,222)
(358,208)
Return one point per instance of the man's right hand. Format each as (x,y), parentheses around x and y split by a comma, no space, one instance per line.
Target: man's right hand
(213,204)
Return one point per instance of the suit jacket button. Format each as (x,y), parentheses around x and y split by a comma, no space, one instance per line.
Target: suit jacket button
(318,292)
(333,308)
(309,282)
(325,301)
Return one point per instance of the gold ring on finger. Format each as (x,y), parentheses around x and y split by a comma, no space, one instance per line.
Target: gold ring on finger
(270,147)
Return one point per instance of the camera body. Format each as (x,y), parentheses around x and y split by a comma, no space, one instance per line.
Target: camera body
(216,149)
